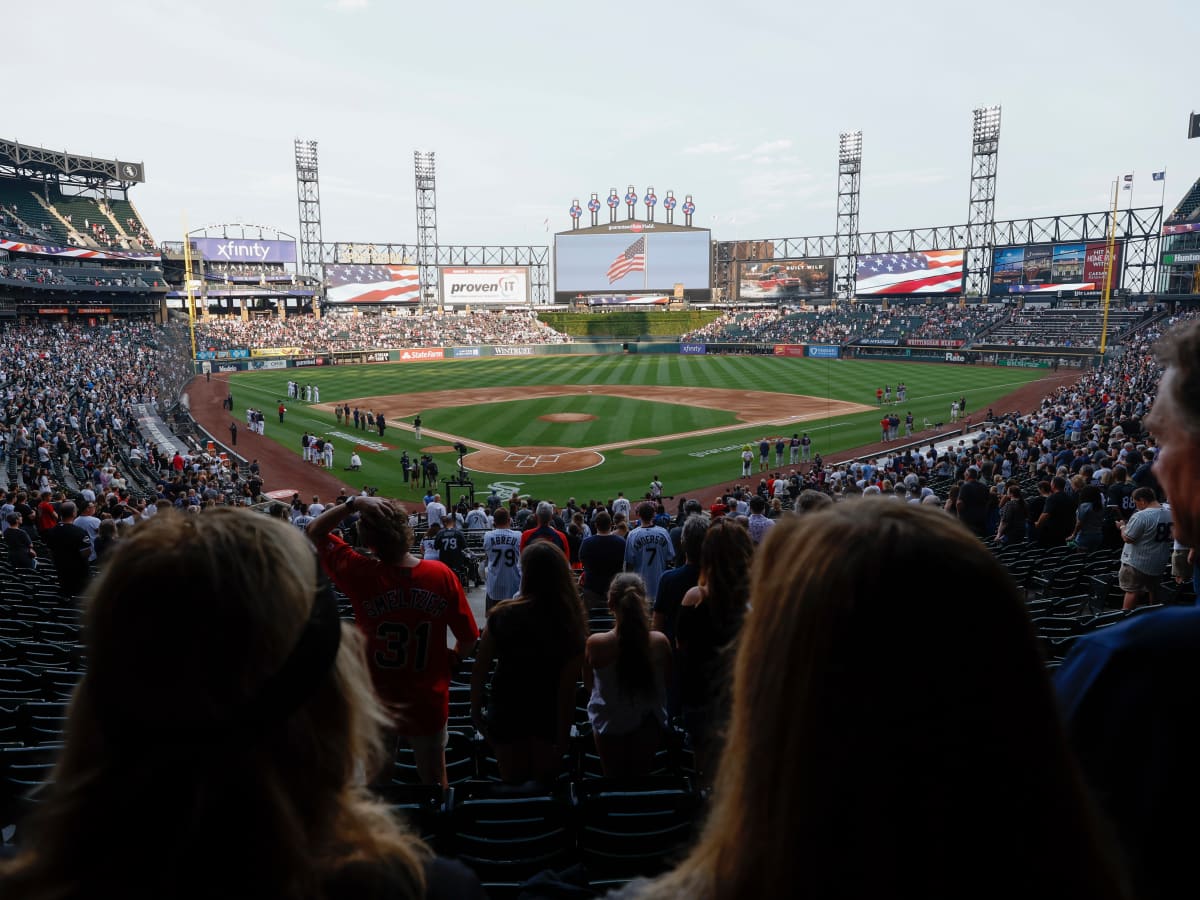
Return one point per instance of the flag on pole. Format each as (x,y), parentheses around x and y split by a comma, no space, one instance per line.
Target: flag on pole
(1159,176)
(633,259)
(1129,177)
(1128,182)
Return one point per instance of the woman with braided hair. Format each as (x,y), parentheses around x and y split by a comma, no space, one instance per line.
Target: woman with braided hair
(625,670)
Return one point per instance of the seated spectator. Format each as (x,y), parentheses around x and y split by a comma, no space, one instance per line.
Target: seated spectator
(875,753)
(537,642)
(625,672)
(189,772)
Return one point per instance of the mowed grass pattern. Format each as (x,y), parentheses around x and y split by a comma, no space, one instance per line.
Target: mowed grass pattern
(518,423)
(931,387)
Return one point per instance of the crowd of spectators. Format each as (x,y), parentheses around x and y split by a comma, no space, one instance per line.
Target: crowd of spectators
(68,393)
(365,332)
(1076,328)
(269,271)
(11,223)
(32,274)
(850,323)
(816,675)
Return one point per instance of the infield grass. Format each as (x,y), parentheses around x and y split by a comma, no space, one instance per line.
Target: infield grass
(684,464)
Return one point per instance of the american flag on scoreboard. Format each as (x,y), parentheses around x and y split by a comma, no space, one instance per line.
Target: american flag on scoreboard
(633,259)
(372,284)
(926,272)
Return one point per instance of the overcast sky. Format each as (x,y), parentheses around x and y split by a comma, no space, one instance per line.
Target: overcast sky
(529,105)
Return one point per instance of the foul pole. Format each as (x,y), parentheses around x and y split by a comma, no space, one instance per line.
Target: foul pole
(191,295)
(1108,271)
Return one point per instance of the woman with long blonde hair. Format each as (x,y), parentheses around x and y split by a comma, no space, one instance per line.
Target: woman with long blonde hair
(218,743)
(891,736)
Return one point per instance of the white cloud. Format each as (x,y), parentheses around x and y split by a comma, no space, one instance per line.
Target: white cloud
(773,146)
(710,147)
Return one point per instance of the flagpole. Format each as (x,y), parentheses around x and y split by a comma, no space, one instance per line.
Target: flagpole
(1162,200)
(1130,204)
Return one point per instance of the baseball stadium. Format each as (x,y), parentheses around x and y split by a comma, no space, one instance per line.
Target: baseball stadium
(653,556)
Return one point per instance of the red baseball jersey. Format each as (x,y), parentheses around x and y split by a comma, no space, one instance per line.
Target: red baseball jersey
(404,613)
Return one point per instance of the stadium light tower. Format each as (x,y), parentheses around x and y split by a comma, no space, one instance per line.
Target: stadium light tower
(308,194)
(424,171)
(849,174)
(981,213)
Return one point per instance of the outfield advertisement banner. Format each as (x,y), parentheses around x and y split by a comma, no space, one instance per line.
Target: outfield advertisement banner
(310,361)
(878,342)
(824,351)
(466,352)
(929,342)
(239,250)
(1024,363)
(1049,268)
(484,285)
(786,279)
(693,349)
(789,350)
(422,353)
(277,351)
(268,363)
(1181,258)
(514,351)
(235,353)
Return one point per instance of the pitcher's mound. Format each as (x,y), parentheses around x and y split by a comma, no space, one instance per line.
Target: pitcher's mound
(567,417)
(532,460)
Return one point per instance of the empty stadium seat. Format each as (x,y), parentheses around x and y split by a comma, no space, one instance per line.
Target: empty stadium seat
(508,835)
(630,828)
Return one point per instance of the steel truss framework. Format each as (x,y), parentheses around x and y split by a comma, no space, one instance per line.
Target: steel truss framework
(308,196)
(849,178)
(1139,229)
(981,211)
(425,174)
(24,161)
(534,256)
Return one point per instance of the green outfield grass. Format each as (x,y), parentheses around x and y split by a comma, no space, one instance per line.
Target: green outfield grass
(684,464)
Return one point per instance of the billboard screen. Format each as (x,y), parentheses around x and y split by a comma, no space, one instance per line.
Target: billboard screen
(372,284)
(786,279)
(626,262)
(923,272)
(484,284)
(244,251)
(1045,268)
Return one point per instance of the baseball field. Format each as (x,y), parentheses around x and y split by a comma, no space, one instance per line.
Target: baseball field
(588,426)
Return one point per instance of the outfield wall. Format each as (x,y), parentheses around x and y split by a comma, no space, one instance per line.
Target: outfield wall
(242,360)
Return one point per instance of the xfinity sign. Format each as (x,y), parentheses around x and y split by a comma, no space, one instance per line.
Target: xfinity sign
(222,250)
(478,285)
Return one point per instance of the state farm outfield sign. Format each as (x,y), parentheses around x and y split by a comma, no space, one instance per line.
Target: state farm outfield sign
(484,285)
(423,353)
